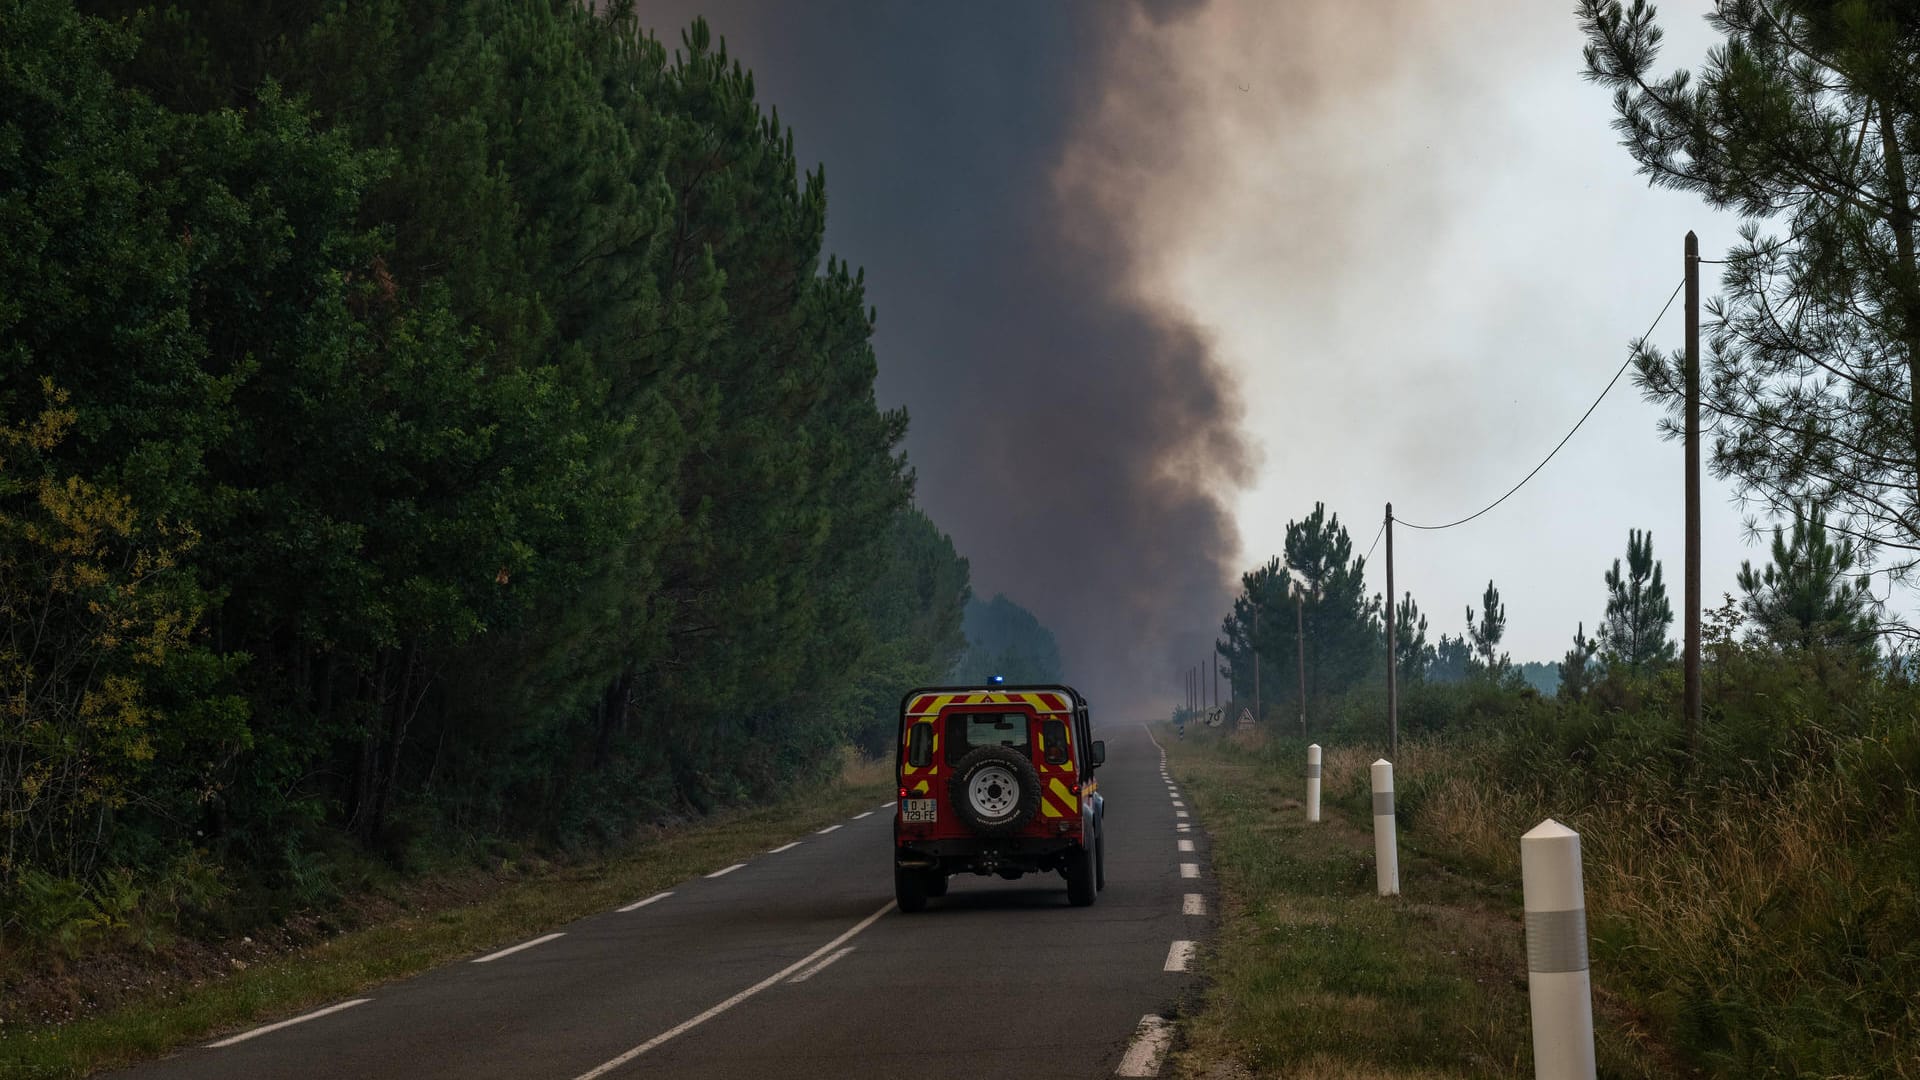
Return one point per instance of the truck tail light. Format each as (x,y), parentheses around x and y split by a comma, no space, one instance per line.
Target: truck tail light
(903,792)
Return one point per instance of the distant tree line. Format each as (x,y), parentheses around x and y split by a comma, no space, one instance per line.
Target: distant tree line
(1811,600)
(424,419)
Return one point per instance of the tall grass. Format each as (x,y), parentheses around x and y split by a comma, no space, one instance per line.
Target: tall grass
(1758,899)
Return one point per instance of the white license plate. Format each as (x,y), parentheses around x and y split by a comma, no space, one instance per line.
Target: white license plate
(917,810)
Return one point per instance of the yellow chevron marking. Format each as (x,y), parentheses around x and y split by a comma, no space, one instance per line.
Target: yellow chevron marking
(1060,792)
(1047,809)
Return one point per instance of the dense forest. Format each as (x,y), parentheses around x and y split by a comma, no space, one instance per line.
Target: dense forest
(420,422)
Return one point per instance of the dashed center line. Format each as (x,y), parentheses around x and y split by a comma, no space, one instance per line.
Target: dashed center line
(1178,956)
(688,1025)
(654,899)
(314,1015)
(857,817)
(821,966)
(511,949)
(826,830)
(784,847)
(1193,904)
(1189,870)
(725,870)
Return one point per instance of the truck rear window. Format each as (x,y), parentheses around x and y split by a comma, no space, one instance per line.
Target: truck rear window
(969,731)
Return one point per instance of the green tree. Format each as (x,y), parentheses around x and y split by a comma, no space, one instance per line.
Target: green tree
(1411,651)
(1576,668)
(1006,639)
(1452,660)
(1806,114)
(915,607)
(1486,634)
(1809,597)
(1638,614)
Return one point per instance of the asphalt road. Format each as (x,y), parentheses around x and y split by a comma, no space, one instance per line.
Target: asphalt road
(796,964)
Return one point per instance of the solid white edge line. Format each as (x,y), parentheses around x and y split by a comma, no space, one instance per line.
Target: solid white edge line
(857,817)
(511,949)
(822,965)
(826,830)
(688,1025)
(314,1015)
(1193,904)
(725,870)
(1178,954)
(1186,845)
(784,847)
(1189,870)
(1156,742)
(638,904)
(1148,1049)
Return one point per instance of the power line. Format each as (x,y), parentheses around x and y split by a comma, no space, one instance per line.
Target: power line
(1376,539)
(1563,441)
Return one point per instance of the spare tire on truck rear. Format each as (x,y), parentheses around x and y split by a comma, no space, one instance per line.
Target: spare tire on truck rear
(995,790)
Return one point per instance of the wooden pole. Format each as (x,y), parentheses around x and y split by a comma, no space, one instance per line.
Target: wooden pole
(1393,684)
(1691,700)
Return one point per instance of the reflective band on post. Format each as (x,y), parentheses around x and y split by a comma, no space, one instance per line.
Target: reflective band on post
(1383,804)
(1313,771)
(1557,941)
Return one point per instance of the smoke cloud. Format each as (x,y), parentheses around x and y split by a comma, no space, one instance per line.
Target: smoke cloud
(1076,437)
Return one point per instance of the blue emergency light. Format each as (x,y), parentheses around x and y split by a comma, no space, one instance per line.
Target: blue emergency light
(996,679)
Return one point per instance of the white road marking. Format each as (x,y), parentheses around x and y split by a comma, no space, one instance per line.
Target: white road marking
(1177,802)
(314,1015)
(1178,954)
(1156,742)
(1148,1049)
(1179,813)
(1183,827)
(1189,870)
(1186,845)
(821,966)
(826,830)
(725,870)
(784,847)
(511,949)
(1193,904)
(688,1025)
(884,805)
(857,817)
(654,899)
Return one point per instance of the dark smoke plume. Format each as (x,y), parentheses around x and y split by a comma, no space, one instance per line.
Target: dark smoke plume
(1079,443)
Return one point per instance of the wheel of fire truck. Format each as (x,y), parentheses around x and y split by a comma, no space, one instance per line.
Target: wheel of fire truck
(936,882)
(909,889)
(1081,872)
(995,790)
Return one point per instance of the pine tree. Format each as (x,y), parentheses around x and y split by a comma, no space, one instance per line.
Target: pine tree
(1411,651)
(1638,614)
(1808,598)
(1486,633)
(1576,669)
(1805,116)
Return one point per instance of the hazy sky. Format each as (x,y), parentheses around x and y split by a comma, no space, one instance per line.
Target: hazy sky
(1238,257)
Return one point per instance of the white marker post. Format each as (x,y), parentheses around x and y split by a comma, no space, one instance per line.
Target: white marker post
(1386,855)
(1313,782)
(1559,987)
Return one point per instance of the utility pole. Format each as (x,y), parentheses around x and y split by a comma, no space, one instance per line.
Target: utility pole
(1393,678)
(1213,661)
(1691,698)
(1300,649)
